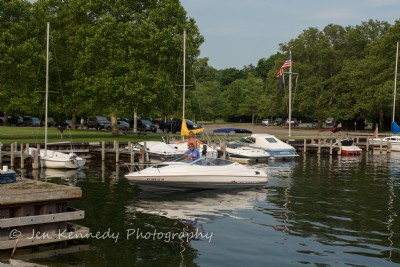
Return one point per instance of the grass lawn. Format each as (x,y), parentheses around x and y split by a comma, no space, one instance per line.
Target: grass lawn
(33,135)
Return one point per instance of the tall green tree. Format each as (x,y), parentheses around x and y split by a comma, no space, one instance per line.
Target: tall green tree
(18,49)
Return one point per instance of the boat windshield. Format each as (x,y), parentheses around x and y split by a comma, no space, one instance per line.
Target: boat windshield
(212,162)
(271,140)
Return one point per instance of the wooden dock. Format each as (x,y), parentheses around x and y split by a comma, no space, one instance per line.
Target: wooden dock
(325,145)
(35,213)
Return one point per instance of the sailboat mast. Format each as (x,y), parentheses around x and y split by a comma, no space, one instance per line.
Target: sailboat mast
(184,73)
(47,85)
(290,94)
(395,82)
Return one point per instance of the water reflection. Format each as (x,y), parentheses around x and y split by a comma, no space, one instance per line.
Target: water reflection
(67,176)
(200,206)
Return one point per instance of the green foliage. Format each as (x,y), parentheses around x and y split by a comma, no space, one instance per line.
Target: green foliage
(113,58)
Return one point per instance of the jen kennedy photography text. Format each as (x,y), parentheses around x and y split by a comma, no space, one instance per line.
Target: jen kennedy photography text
(128,234)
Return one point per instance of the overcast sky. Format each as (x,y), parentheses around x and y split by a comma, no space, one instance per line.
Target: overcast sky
(240,32)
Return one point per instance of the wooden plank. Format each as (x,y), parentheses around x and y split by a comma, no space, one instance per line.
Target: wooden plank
(26,191)
(77,233)
(39,219)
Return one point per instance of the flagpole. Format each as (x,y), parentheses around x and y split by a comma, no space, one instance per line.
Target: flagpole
(290,95)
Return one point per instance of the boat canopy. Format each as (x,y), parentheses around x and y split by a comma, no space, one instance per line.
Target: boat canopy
(228,130)
(395,128)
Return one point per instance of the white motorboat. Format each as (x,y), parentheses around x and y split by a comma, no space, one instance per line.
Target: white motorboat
(242,153)
(275,147)
(239,151)
(203,173)
(347,147)
(158,150)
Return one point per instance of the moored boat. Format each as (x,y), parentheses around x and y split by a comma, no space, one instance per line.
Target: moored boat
(158,150)
(276,148)
(239,151)
(203,173)
(347,147)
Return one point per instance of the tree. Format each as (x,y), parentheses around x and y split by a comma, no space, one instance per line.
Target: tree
(19,54)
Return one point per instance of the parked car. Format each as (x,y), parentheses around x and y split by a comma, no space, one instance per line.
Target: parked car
(176,124)
(330,122)
(30,121)
(266,122)
(314,124)
(146,125)
(157,121)
(15,120)
(122,125)
(278,121)
(98,122)
(65,124)
(294,122)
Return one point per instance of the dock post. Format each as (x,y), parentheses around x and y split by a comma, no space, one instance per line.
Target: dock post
(389,147)
(116,147)
(380,147)
(367,145)
(22,156)
(146,153)
(103,153)
(330,147)
(319,146)
(12,155)
(305,146)
(141,157)
(131,152)
(35,159)
(340,149)
(1,154)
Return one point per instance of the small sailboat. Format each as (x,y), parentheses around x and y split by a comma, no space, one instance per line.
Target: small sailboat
(394,140)
(50,158)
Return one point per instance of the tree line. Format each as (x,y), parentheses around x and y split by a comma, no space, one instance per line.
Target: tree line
(120,58)
(342,72)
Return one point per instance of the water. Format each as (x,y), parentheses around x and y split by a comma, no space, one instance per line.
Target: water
(315,211)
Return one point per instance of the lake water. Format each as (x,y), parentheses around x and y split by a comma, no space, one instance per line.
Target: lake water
(315,211)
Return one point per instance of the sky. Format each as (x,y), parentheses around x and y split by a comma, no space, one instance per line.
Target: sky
(240,32)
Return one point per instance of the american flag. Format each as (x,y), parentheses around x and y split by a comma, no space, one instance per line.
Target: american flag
(287,63)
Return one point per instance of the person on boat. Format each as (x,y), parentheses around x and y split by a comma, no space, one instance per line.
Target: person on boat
(192,153)
(192,139)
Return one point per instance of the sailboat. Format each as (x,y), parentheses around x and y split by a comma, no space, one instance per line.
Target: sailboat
(184,129)
(394,140)
(49,158)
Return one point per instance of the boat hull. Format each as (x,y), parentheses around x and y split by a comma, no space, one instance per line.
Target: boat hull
(59,160)
(352,151)
(183,186)
(207,173)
